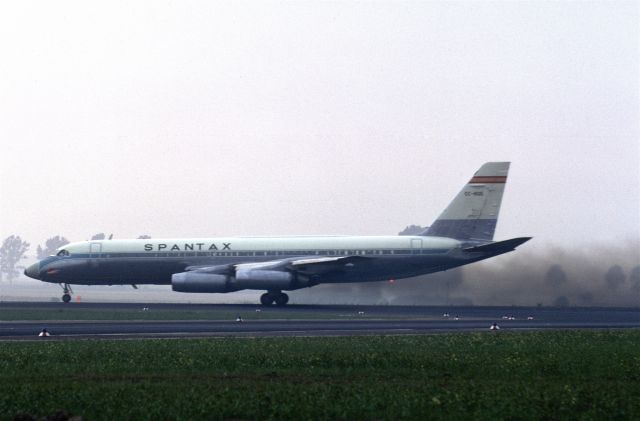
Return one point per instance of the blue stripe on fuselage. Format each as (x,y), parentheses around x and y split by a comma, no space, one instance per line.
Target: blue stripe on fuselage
(248,254)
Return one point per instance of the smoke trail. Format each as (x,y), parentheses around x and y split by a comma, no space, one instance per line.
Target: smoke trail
(592,276)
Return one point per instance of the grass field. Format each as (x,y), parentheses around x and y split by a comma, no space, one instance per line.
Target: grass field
(531,375)
(212,313)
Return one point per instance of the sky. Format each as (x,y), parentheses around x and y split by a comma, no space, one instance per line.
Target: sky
(199,119)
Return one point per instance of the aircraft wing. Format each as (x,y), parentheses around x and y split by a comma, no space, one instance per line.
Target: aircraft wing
(216,269)
(311,265)
(321,265)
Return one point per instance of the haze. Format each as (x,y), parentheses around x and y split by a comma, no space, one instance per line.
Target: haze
(276,118)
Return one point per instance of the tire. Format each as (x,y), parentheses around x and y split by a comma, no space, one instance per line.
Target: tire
(266,299)
(66,298)
(281,299)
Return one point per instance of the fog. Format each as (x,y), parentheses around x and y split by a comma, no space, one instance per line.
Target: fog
(294,118)
(205,119)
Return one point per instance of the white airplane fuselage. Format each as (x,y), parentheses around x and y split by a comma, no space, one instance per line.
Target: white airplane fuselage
(110,262)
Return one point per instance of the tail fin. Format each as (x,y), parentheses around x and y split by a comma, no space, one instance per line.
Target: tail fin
(473,214)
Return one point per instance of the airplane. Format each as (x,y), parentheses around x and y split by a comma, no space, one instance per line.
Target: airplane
(462,234)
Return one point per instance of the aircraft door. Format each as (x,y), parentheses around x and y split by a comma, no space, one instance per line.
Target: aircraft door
(416,246)
(95,249)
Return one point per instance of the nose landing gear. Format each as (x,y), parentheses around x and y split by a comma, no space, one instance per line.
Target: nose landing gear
(277,297)
(67,291)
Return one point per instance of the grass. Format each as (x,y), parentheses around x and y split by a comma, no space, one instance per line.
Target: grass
(484,376)
(71,313)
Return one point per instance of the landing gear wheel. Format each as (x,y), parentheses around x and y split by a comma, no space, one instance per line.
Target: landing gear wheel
(281,299)
(266,299)
(67,291)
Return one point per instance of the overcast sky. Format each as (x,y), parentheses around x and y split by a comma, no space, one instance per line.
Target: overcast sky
(241,118)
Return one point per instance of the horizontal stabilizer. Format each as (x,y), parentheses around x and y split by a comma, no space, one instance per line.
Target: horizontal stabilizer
(499,246)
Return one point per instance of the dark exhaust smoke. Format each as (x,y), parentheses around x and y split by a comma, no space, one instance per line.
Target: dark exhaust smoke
(593,276)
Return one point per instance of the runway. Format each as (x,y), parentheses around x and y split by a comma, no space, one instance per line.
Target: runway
(304,320)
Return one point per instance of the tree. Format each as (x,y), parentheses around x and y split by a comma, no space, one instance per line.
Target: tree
(99,236)
(634,278)
(50,246)
(555,276)
(614,277)
(12,250)
(561,301)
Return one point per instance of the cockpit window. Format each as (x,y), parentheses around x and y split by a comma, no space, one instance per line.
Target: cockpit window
(63,253)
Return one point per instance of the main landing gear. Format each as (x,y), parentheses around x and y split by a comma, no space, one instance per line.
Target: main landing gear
(277,297)
(66,289)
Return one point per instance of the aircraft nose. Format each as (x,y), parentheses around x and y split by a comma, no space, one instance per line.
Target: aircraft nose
(33,271)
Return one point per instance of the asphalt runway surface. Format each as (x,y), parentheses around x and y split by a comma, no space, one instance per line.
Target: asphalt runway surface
(326,320)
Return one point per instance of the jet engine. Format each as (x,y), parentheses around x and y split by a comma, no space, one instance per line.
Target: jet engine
(262,279)
(200,282)
(244,279)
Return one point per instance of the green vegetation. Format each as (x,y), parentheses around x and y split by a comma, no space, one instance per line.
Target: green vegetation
(490,375)
(71,313)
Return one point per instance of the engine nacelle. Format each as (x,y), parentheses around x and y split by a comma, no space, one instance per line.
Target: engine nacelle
(200,282)
(262,279)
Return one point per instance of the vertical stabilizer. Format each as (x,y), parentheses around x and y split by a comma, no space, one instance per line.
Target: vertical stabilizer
(473,214)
